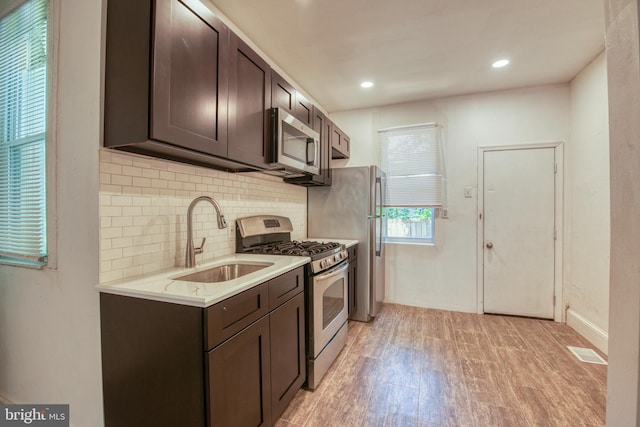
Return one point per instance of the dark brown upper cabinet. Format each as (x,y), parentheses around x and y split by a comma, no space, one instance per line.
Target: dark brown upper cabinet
(340,143)
(322,125)
(283,95)
(304,109)
(286,97)
(249,99)
(190,82)
(166,81)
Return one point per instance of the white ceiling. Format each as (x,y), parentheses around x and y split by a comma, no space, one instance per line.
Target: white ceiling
(420,49)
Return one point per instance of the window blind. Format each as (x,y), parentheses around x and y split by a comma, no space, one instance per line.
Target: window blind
(413,158)
(23,112)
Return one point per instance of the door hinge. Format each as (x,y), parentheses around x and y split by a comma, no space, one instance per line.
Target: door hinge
(555,234)
(554,300)
(555,168)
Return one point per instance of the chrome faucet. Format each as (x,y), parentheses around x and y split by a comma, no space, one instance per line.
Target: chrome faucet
(190,257)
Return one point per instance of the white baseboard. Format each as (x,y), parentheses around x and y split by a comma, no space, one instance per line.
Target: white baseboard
(594,334)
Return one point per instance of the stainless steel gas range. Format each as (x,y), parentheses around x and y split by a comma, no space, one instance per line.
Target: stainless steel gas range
(326,285)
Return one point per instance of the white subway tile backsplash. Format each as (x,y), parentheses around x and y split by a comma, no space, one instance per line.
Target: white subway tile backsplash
(132,171)
(121,180)
(111,168)
(121,158)
(143,207)
(111,254)
(141,182)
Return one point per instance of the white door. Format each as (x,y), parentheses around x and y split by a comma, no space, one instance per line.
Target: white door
(519,223)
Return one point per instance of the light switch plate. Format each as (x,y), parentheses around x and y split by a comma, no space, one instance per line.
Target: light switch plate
(468,192)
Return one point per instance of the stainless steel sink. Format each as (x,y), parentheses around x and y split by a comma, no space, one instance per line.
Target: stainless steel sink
(223,273)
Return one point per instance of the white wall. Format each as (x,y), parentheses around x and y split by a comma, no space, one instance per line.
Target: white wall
(588,243)
(444,275)
(623,69)
(49,320)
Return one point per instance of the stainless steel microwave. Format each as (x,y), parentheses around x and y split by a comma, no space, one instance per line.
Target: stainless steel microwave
(294,146)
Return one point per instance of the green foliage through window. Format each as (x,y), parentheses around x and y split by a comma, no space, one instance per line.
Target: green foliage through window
(410,225)
(410,214)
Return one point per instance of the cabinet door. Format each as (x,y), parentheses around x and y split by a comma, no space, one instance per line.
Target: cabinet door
(249,98)
(339,143)
(240,379)
(190,69)
(283,95)
(304,109)
(288,363)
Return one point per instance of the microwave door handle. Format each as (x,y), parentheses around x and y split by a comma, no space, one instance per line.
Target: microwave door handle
(314,151)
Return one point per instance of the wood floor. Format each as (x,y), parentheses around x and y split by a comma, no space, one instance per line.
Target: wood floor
(421,367)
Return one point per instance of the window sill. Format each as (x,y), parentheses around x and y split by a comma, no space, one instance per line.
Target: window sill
(418,243)
(22,263)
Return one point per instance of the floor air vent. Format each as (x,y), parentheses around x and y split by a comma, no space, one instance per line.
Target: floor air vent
(587,355)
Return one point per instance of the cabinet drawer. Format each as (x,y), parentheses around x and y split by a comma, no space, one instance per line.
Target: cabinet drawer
(285,287)
(230,316)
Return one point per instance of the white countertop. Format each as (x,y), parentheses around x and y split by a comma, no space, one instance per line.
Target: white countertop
(346,242)
(162,286)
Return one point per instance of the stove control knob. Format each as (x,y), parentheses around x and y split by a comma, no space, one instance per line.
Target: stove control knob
(336,258)
(323,264)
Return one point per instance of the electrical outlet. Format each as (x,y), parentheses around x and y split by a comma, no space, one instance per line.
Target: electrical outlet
(444,213)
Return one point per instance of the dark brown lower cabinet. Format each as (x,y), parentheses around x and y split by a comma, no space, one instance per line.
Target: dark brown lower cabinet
(152,363)
(288,365)
(254,375)
(239,372)
(236,363)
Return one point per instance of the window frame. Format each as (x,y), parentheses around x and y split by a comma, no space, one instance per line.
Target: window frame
(412,240)
(436,209)
(53,28)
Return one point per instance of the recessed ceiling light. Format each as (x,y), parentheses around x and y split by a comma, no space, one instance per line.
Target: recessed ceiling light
(501,63)
(366,85)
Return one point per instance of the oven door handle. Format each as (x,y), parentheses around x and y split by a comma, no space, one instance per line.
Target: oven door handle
(333,273)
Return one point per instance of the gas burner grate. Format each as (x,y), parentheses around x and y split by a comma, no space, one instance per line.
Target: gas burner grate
(294,247)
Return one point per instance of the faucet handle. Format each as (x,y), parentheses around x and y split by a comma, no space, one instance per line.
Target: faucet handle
(199,249)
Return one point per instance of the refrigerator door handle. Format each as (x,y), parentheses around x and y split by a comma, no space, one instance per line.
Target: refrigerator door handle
(378,205)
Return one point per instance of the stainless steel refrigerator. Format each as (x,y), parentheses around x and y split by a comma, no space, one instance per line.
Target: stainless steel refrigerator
(351,208)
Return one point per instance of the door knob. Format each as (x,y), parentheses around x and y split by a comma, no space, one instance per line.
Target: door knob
(489,245)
